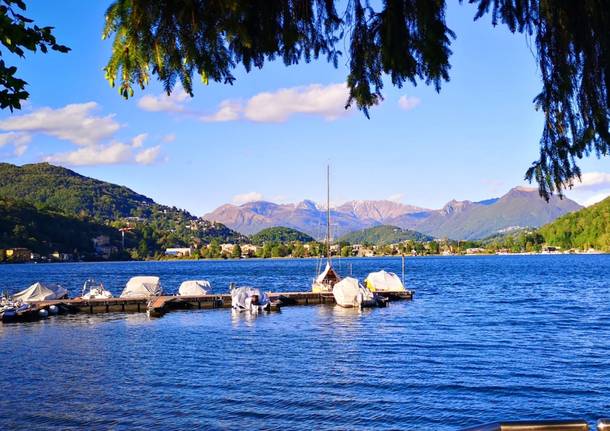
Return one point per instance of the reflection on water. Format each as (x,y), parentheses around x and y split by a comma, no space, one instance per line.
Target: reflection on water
(485,338)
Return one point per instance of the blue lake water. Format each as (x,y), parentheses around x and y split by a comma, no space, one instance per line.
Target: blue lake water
(485,338)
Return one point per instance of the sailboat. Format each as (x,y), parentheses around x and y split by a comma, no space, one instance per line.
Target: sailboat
(326,279)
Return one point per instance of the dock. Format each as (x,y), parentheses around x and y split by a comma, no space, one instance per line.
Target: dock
(160,305)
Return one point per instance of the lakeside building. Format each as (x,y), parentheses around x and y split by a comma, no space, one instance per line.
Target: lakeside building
(17,254)
(227,248)
(250,250)
(178,251)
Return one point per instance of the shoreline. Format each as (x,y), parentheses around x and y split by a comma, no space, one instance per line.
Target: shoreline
(339,258)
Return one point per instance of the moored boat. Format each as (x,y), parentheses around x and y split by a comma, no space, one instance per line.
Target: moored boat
(142,287)
(41,292)
(93,289)
(194,288)
(249,299)
(326,279)
(383,281)
(350,293)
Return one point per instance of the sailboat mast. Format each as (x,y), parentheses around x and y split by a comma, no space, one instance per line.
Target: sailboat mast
(328,212)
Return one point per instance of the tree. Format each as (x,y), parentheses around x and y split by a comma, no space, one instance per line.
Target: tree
(298,250)
(143,249)
(236,253)
(215,250)
(407,40)
(18,34)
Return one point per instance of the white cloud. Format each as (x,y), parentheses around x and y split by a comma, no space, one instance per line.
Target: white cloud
(148,156)
(408,102)
(92,134)
(327,102)
(227,111)
(397,197)
(595,199)
(19,142)
(109,154)
(138,141)
(247,197)
(593,181)
(163,103)
(74,123)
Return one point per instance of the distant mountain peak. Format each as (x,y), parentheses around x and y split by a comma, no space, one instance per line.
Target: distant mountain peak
(523,189)
(307,204)
(455,206)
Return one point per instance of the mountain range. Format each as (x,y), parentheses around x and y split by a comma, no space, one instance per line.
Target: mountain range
(64,191)
(459,220)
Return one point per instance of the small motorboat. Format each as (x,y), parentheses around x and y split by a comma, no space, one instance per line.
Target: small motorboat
(142,287)
(350,293)
(8,311)
(93,289)
(249,299)
(194,288)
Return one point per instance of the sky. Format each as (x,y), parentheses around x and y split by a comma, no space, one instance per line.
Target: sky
(271,134)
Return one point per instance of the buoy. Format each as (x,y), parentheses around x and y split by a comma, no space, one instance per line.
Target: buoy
(53,309)
(43,313)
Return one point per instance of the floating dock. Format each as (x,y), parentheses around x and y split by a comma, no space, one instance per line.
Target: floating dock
(160,305)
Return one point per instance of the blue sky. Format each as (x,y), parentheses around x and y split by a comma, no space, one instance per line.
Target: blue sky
(281,126)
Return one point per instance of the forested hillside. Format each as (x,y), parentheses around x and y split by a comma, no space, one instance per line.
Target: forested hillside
(45,231)
(584,229)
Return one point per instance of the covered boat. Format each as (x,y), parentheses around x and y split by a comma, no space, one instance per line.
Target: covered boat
(326,280)
(194,288)
(350,293)
(383,281)
(142,287)
(41,292)
(249,299)
(93,289)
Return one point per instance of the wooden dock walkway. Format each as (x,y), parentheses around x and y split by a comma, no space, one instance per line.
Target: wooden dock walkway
(160,305)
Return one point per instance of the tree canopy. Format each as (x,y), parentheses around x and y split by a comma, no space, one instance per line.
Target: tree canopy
(406,40)
(18,34)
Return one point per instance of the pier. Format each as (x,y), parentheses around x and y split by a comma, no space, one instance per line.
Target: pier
(158,306)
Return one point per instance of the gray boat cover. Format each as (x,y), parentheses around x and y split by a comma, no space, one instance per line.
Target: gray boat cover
(41,292)
(241,298)
(350,293)
(194,288)
(142,287)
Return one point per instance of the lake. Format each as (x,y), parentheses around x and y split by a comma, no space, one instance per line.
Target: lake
(485,338)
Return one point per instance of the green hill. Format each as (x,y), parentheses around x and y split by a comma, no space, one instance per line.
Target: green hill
(383,235)
(45,185)
(584,229)
(280,234)
(45,231)
(59,191)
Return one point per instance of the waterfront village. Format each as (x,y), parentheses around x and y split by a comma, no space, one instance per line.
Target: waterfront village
(105,250)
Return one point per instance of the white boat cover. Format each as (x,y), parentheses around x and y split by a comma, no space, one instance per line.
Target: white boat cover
(142,287)
(41,292)
(242,298)
(194,288)
(383,281)
(350,293)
